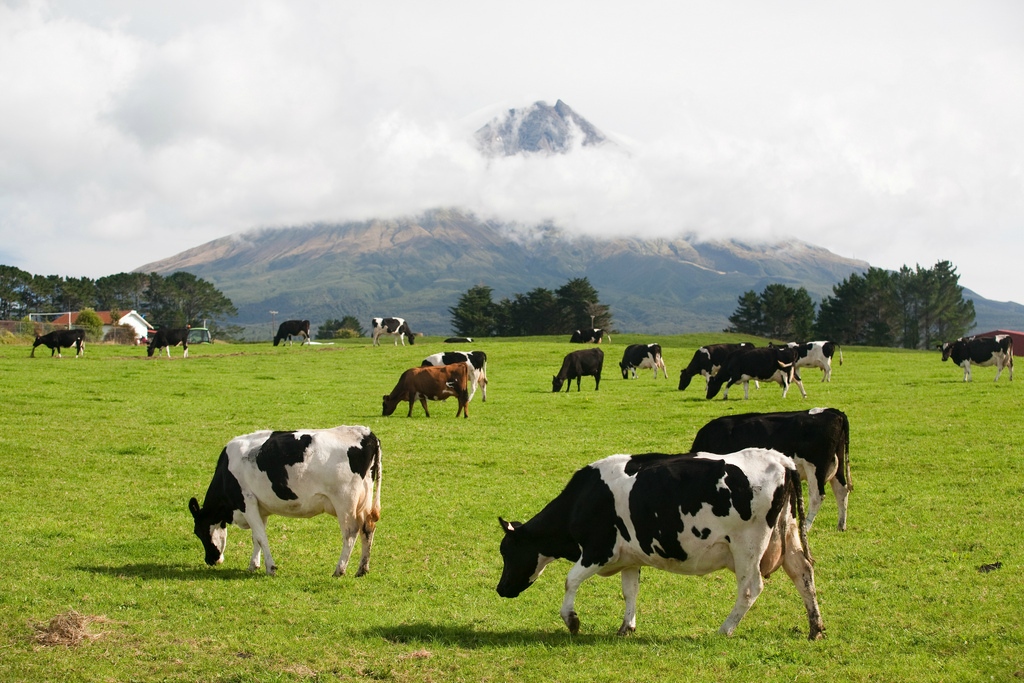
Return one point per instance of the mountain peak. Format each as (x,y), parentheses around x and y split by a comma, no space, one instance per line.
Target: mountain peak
(537,128)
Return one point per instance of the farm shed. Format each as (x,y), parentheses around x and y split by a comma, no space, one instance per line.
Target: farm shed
(132,318)
(1018,339)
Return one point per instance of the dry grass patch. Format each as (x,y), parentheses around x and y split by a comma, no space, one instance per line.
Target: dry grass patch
(68,629)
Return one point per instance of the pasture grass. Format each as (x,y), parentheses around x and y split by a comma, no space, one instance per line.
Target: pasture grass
(102,453)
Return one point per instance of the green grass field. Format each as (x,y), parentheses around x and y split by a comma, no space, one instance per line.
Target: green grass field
(101,454)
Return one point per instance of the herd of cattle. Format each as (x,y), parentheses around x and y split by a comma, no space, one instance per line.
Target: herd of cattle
(734,500)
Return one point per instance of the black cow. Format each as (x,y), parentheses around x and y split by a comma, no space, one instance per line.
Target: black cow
(707,360)
(770,364)
(641,356)
(687,514)
(396,327)
(292,328)
(592,335)
(576,365)
(59,339)
(818,440)
(997,351)
(166,338)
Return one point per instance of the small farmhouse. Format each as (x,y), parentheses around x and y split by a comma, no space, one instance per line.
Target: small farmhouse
(132,319)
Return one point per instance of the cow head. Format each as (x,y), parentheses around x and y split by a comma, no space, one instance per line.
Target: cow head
(684,379)
(523,561)
(390,404)
(715,383)
(556,384)
(212,532)
(947,348)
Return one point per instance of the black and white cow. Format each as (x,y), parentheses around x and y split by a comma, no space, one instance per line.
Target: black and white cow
(591,335)
(59,339)
(997,351)
(292,328)
(295,474)
(707,360)
(166,338)
(771,364)
(686,513)
(818,440)
(476,360)
(815,354)
(642,356)
(576,365)
(397,327)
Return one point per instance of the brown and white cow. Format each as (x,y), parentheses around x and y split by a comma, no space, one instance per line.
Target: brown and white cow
(477,361)
(434,383)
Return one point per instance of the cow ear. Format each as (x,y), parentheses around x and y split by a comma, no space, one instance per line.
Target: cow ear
(193,507)
(508,527)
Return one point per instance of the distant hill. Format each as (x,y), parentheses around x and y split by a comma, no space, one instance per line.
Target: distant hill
(419,267)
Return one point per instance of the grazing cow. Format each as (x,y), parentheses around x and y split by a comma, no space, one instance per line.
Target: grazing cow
(295,474)
(434,383)
(815,354)
(292,328)
(476,360)
(59,339)
(707,360)
(166,338)
(576,365)
(592,335)
(997,351)
(770,364)
(686,513)
(818,440)
(641,356)
(396,327)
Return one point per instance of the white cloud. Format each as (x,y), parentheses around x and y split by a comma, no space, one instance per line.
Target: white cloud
(883,132)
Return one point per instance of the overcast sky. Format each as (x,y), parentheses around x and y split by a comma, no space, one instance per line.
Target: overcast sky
(886,131)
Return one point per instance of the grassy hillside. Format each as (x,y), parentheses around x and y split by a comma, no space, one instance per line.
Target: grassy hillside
(102,454)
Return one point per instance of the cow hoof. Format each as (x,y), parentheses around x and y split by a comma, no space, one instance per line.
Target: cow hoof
(340,572)
(817,634)
(625,630)
(363,571)
(271,571)
(573,622)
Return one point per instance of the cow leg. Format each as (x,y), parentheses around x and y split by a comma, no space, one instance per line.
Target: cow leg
(349,530)
(577,575)
(798,566)
(800,384)
(967,371)
(185,355)
(630,589)
(423,402)
(168,351)
(367,542)
(827,369)
(842,494)
(749,585)
(815,496)
(258,524)
(746,390)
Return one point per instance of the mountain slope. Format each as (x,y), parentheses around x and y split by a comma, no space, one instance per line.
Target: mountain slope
(419,267)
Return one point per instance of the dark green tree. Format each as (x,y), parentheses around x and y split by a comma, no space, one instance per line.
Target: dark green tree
(14,285)
(474,314)
(345,328)
(182,299)
(123,291)
(581,307)
(90,321)
(779,312)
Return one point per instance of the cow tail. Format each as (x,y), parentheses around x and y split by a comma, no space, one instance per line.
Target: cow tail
(845,464)
(377,472)
(796,502)
(840,353)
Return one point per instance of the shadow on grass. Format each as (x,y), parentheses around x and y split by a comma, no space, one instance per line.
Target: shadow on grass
(467,637)
(151,570)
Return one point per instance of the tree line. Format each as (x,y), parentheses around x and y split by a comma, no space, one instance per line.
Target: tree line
(573,306)
(912,309)
(174,300)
